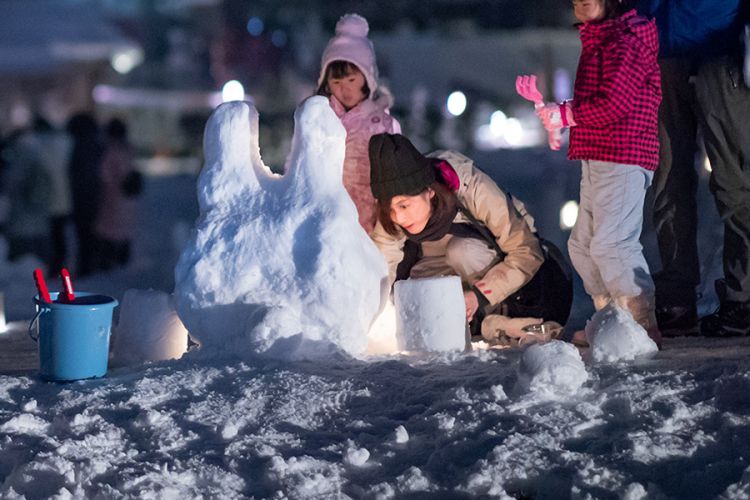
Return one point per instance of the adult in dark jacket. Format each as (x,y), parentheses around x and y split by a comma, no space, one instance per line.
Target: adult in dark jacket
(701,72)
(84,166)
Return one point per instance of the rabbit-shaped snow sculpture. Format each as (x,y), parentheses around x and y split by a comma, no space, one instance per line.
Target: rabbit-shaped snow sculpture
(274,257)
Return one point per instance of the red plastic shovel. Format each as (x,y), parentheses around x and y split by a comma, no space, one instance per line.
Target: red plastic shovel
(66,295)
(41,285)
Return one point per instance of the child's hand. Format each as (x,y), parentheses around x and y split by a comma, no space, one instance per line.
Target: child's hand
(550,116)
(556,116)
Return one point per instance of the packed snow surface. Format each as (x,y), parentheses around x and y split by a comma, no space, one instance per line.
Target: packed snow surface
(498,423)
(675,425)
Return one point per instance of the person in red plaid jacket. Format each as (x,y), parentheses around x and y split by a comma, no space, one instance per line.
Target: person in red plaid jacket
(614,131)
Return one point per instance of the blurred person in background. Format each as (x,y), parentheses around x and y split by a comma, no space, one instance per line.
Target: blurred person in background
(85,160)
(53,149)
(700,59)
(27,185)
(120,186)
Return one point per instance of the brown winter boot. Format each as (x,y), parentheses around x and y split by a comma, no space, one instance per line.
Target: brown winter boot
(643,309)
(600,301)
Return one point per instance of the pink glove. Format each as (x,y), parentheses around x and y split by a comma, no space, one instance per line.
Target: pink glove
(526,88)
(556,116)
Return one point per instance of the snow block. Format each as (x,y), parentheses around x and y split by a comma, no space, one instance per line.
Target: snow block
(431,315)
(553,368)
(277,258)
(148,330)
(614,336)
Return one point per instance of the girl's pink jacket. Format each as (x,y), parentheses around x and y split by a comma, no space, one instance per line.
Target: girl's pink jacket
(366,119)
(617,92)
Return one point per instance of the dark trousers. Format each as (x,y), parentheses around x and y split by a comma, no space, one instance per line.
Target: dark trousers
(720,102)
(59,247)
(674,185)
(113,253)
(88,248)
(724,99)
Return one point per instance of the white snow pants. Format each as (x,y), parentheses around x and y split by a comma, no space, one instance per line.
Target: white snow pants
(604,245)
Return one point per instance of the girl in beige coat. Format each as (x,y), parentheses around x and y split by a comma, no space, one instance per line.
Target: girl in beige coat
(440,215)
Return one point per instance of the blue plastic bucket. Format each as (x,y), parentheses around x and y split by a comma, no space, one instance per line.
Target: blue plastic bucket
(73,337)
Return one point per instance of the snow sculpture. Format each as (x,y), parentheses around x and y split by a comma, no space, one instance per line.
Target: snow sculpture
(614,335)
(552,368)
(430,314)
(277,261)
(148,330)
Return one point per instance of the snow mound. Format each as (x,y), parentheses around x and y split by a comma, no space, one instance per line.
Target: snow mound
(551,368)
(148,330)
(614,336)
(274,257)
(430,314)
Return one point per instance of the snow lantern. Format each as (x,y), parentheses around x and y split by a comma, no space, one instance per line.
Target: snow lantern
(431,315)
(149,329)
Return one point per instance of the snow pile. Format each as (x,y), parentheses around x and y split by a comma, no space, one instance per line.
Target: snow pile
(614,336)
(148,330)
(551,368)
(431,314)
(402,436)
(273,257)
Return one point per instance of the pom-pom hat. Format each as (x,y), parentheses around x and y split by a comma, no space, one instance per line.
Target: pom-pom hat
(351,44)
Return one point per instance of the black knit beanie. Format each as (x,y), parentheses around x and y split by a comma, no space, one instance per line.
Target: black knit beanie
(397,168)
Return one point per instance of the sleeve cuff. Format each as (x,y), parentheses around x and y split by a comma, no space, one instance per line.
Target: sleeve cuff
(483,301)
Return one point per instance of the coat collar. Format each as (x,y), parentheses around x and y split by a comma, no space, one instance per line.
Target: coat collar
(594,31)
(364,108)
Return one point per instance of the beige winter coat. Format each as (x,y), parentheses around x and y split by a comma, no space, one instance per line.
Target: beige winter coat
(493,208)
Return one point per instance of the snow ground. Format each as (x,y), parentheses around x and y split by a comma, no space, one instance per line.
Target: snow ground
(676,425)
(673,425)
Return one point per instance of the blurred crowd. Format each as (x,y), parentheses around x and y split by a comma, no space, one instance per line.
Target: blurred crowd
(68,195)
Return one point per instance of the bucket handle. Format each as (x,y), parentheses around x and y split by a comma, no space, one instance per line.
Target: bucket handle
(34,320)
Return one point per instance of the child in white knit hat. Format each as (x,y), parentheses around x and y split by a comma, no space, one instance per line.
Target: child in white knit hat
(349,78)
